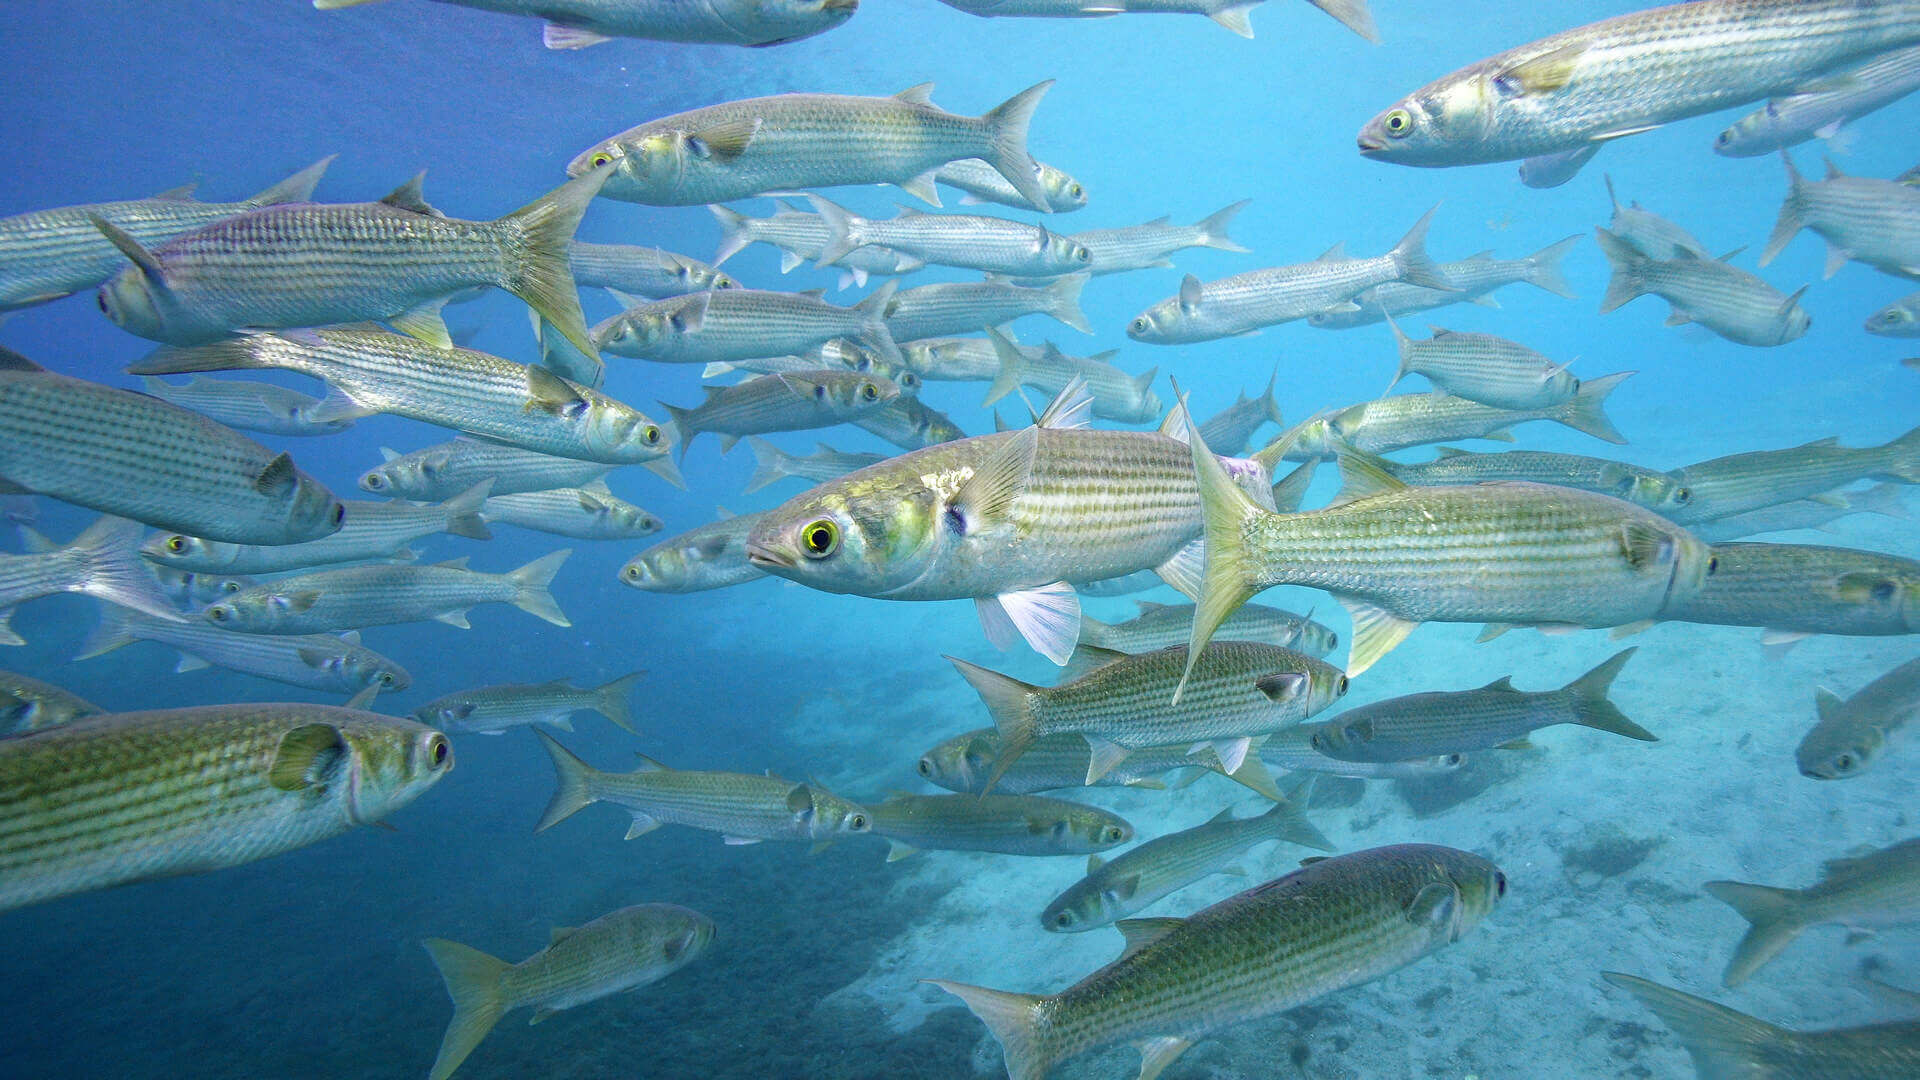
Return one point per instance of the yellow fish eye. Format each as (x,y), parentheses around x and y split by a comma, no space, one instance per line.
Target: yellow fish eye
(176,544)
(600,160)
(1398,123)
(1342,688)
(650,434)
(820,538)
(869,392)
(858,821)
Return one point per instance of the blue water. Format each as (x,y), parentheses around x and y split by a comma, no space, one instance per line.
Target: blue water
(307,965)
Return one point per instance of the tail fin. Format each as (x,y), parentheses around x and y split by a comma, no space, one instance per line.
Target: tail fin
(612,702)
(1721,1042)
(1591,706)
(1775,918)
(1094,632)
(1063,301)
(1013,368)
(1007,700)
(1353,14)
(872,309)
(1410,255)
(474,982)
(1011,1018)
(1903,458)
(114,570)
(537,269)
(682,420)
(1213,227)
(1006,130)
(1543,267)
(770,463)
(463,512)
(1626,260)
(733,232)
(575,784)
(1883,499)
(1291,825)
(530,587)
(296,188)
(1270,406)
(7,634)
(1228,582)
(1232,14)
(1405,345)
(114,630)
(844,232)
(1788,224)
(1586,411)
(233,354)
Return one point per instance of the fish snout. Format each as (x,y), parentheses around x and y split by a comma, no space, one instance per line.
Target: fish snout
(767,557)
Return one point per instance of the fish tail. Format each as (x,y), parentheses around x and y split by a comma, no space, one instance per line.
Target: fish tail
(1775,923)
(1353,14)
(1405,345)
(112,631)
(1063,301)
(1290,823)
(1013,368)
(296,188)
(1253,775)
(611,700)
(1009,701)
(1232,14)
(876,335)
(1904,458)
(574,784)
(1269,404)
(537,267)
(1882,499)
(1006,130)
(1592,707)
(463,512)
(1416,266)
(770,464)
(844,231)
(1227,584)
(1543,268)
(232,354)
(1788,224)
(1094,632)
(115,571)
(530,587)
(1626,261)
(682,421)
(1013,1021)
(1586,411)
(733,232)
(1213,227)
(1721,1042)
(474,983)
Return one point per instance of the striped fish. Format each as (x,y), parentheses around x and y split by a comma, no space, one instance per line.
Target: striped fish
(1338,922)
(969,307)
(1654,236)
(331,665)
(1394,423)
(575,25)
(801,235)
(1660,492)
(1143,247)
(249,406)
(742,324)
(984,184)
(1118,396)
(1876,222)
(442,472)
(641,271)
(712,556)
(584,513)
(1473,280)
(967,241)
(1900,319)
(1006,824)
(370,531)
(130,797)
(102,562)
(138,457)
(1714,293)
(1058,762)
(1881,888)
(489,710)
(358,596)
(27,704)
(1292,749)
(1726,1043)
(1159,626)
(1229,430)
(1738,483)
(1484,368)
(1813,513)
(1838,98)
(910,424)
(1232,14)
(1794,591)
(1853,733)
(796,401)
(773,464)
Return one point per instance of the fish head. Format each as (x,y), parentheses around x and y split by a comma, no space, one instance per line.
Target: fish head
(1658,492)
(1087,829)
(1160,324)
(1476,885)
(178,549)
(934,427)
(629,520)
(1754,133)
(1064,193)
(629,333)
(1343,737)
(1839,752)
(1898,319)
(134,303)
(403,475)
(612,429)
(444,714)
(1312,638)
(929,355)
(822,815)
(653,162)
(868,533)
(393,763)
(1442,123)
(312,510)
(1794,321)
(1092,902)
(674,937)
(847,394)
(1063,252)
(258,610)
(1888,597)
(961,763)
(360,669)
(697,276)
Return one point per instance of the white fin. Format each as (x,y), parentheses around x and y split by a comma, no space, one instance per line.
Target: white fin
(1157,1054)
(1072,407)
(739,841)
(189,662)
(1103,756)
(1048,617)
(454,618)
(555,36)
(1375,633)
(897,850)
(1232,752)
(1186,570)
(642,825)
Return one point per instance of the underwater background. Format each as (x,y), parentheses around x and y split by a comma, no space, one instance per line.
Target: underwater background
(308,964)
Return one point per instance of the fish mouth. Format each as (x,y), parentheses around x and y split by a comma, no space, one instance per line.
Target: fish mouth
(1371,146)
(762,556)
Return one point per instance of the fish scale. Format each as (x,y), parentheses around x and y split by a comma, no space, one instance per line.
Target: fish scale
(1805,114)
(642,271)
(795,401)
(1727,300)
(966,307)
(1474,278)
(1008,824)
(1802,589)
(735,324)
(802,236)
(320,662)
(370,531)
(1395,423)
(1737,483)
(1161,625)
(441,472)
(1876,222)
(1484,368)
(963,763)
(358,596)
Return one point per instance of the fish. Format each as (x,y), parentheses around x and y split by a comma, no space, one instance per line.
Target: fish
(967,241)
(651,272)
(797,401)
(1241,691)
(1900,319)
(1247,302)
(49,254)
(1839,98)
(1141,247)
(910,424)
(773,464)
(1128,399)
(1663,493)
(984,184)
(1397,556)
(1292,749)
(711,556)
(137,457)
(1484,368)
(27,704)
(1725,1043)
(1395,423)
(1006,824)
(1654,236)
(621,950)
(1553,170)
(801,235)
(1794,591)
(1232,14)
(1137,879)
(960,359)
(1862,219)
(941,523)
(1738,483)
(741,324)
(359,596)
(1337,922)
(331,665)
(127,797)
(1438,723)
(1628,74)
(1881,888)
(443,471)
(490,710)
(102,562)
(1230,429)
(314,264)
(471,392)
(788,142)
(967,307)
(248,406)
(1124,585)
(1722,297)
(1474,281)
(194,590)
(1056,762)
(371,531)
(579,24)
(1161,625)
(591,512)
(743,808)
(1814,513)
(1852,733)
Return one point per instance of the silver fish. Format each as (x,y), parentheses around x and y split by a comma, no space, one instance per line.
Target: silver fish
(1292,749)
(773,464)
(1740,482)
(1816,513)
(1161,625)
(27,704)
(741,324)
(1006,824)
(969,307)
(1140,247)
(1117,395)
(984,184)
(489,710)
(103,562)
(331,665)
(1229,430)
(370,531)
(1473,280)
(193,591)
(1725,299)
(1851,734)
(1232,14)
(1395,423)
(1794,591)
(967,241)
(910,424)
(641,271)
(1484,368)
(591,512)
(1655,236)
(1837,99)
(1873,890)
(1057,762)
(712,556)
(1663,493)
(1876,222)
(359,596)
(798,401)
(801,236)
(1726,1043)
(249,406)
(442,472)
(578,24)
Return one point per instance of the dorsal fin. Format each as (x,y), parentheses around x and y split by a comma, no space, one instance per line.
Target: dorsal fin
(1141,933)
(1361,475)
(920,94)
(408,196)
(183,193)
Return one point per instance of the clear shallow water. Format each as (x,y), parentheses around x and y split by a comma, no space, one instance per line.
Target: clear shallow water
(307,965)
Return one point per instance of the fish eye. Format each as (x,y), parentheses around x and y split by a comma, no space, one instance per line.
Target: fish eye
(858,822)
(1682,496)
(1844,762)
(438,752)
(1333,642)
(1499,884)
(1883,590)
(1076,191)
(926,767)
(600,160)
(1724,138)
(386,678)
(630,573)
(1454,761)
(1713,563)
(229,587)
(1063,919)
(1082,255)
(1318,740)
(1398,123)
(176,544)
(218,613)
(1342,688)
(373,481)
(869,392)
(100,299)
(650,435)
(1139,325)
(820,538)
(1112,834)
